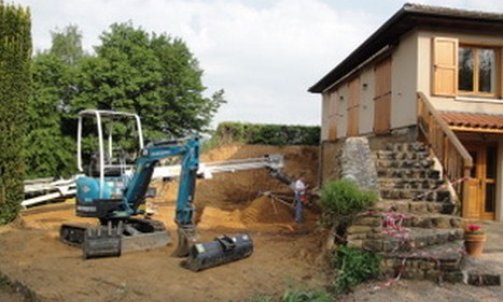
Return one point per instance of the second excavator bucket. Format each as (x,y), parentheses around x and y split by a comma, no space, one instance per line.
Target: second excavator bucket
(221,250)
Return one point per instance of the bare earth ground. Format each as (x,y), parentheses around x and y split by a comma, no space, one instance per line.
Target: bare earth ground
(285,253)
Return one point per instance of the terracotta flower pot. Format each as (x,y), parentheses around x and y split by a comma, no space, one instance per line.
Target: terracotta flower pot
(474,244)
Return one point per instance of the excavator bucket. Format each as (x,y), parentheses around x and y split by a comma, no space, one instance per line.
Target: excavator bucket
(186,238)
(102,241)
(221,250)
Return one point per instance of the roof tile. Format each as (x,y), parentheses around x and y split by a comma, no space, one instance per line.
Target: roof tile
(473,120)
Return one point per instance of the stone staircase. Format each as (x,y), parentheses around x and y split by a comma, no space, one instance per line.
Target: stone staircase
(412,227)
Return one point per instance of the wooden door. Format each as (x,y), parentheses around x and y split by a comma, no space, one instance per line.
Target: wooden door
(482,183)
(354,107)
(382,97)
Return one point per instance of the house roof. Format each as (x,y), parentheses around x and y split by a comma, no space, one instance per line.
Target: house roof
(473,121)
(408,17)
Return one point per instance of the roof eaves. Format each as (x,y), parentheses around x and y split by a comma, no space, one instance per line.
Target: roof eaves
(319,86)
(381,37)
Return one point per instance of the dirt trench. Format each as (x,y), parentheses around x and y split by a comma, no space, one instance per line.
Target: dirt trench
(286,254)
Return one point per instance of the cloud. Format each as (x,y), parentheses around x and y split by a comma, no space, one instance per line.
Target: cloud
(265,54)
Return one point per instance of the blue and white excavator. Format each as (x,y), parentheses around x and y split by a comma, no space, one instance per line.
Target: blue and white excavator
(113,190)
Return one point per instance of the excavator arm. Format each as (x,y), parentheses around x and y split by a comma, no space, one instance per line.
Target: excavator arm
(135,191)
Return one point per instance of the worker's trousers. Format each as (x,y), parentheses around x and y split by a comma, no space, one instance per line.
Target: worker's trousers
(298,209)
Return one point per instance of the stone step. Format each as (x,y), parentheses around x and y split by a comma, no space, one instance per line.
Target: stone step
(480,272)
(386,154)
(410,183)
(415,194)
(415,207)
(405,163)
(394,241)
(408,173)
(404,147)
(441,262)
(433,221)
(408,220)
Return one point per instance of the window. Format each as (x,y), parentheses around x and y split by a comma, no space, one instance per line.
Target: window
(477,71)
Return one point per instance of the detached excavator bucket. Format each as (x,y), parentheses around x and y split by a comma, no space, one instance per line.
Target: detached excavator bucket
(221,250)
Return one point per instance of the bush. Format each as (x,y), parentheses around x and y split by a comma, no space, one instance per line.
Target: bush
(15,89)
(342,199)
(354,266)
(267,134)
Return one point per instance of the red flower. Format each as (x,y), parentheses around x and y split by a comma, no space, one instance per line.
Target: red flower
(473,228)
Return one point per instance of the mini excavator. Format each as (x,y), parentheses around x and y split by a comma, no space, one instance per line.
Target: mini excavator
(114,190)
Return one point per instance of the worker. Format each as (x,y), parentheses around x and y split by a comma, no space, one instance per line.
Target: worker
(300,192)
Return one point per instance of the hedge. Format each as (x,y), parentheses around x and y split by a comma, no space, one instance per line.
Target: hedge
(15,90)
(267,134)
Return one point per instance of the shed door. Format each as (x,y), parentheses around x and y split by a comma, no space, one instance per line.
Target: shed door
(353,107)
(382,96)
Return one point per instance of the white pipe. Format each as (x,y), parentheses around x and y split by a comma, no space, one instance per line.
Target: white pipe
(39,199)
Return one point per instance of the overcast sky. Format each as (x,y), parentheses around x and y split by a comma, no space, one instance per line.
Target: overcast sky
(264,54)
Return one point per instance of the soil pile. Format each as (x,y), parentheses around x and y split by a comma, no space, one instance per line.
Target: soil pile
(234,200)
(266,210)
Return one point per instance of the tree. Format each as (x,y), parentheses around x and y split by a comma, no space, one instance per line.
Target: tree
(15,87)
(67,44)
(153,75)
(50,148)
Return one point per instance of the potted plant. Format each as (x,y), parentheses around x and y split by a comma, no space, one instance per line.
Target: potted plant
(475,238)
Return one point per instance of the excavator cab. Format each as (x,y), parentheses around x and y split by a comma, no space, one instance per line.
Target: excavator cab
(107,144)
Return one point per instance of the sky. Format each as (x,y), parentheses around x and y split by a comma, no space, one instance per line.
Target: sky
(265,54)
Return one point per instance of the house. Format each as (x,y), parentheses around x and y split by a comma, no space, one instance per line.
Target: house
(432,74)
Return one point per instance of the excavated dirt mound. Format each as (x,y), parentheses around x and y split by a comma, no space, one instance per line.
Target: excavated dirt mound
(285,254)
(234,200)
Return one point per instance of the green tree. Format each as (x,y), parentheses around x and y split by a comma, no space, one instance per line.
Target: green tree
(67,44)
(153,75)
(15,86)
(50,148)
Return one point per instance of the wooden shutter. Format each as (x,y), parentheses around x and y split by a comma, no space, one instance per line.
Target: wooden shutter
(382,96)
(332,116)
(354,107)
(445,66)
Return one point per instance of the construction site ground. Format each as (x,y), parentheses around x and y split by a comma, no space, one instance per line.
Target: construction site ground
(286,254)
